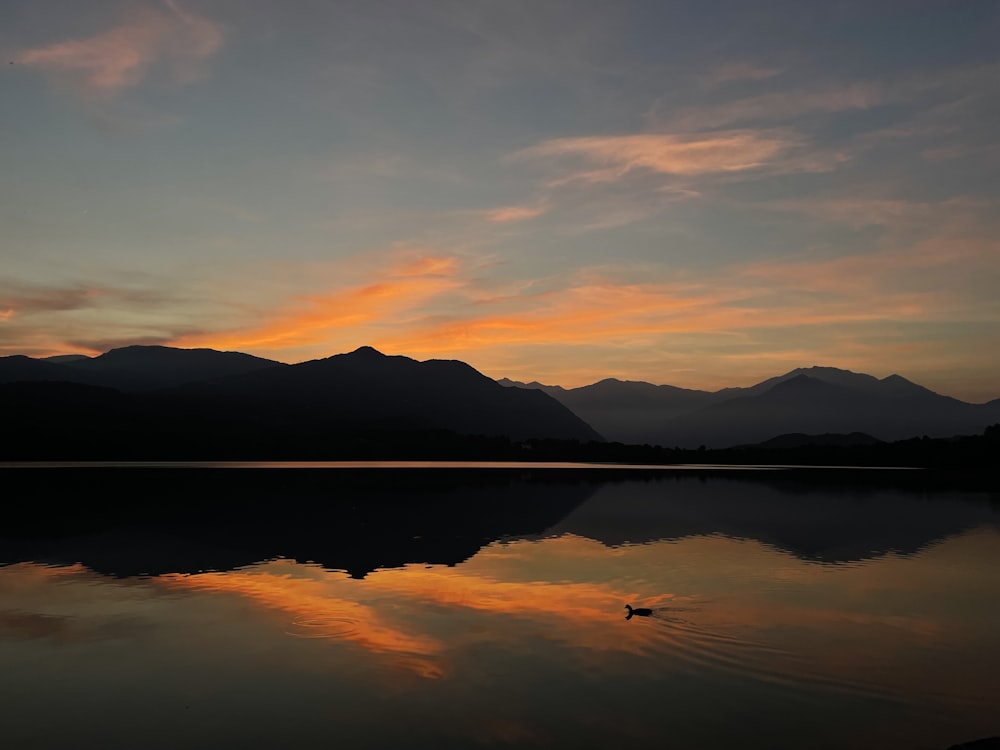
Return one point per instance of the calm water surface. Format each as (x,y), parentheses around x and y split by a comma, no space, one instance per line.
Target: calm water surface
(380,609)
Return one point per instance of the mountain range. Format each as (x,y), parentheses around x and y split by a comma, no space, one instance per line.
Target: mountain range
(811,400)
(185,397)
(160,402)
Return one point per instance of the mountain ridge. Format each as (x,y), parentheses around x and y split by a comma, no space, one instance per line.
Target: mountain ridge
(170,403)
(369,389)
(805,400)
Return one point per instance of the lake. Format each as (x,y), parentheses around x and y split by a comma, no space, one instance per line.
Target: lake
(480,606)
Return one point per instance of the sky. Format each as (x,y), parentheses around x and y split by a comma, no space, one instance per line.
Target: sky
(702,194)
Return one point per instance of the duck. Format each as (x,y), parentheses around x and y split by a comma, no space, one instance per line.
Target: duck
(640,611)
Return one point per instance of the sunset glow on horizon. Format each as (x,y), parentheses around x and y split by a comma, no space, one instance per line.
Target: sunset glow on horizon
(561,192)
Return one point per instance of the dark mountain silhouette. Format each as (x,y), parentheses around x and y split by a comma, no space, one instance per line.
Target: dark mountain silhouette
(627,411)
(147,368)
(20,368)
(65,359)
(190,400)
(134,368)
(368,387)
(552,390)
(358,405)
(803,403)
(834,376)
(812,400)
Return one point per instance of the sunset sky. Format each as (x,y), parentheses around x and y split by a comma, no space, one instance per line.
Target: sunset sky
(697,193)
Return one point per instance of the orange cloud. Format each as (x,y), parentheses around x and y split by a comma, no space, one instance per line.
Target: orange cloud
(507,214)
(664,153)
(853,311)
(103,65)
(587,311)
(407,284)
(432,306)
(606,312)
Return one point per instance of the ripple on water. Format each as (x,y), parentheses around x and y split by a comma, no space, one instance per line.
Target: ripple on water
(704,649)
(326,628)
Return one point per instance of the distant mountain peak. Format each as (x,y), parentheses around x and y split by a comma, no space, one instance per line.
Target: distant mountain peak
(146,351)
(801,379)
(367,351)
(817,369)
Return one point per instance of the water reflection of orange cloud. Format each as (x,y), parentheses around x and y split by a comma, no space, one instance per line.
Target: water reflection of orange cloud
(26,575)
(916,629)
(330,606)
(719,617)
(318,612)
(578,613)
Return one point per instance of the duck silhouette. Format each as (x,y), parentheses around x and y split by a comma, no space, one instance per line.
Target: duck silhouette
(640,612)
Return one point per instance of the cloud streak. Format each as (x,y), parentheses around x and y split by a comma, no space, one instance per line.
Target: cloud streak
(778,106)
(511,214)
(402,287)
(737,70)
(795,310)
(855,311)
(615,156)
(92,316)
(102,66)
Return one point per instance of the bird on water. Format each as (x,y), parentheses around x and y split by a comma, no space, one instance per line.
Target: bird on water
(640,611)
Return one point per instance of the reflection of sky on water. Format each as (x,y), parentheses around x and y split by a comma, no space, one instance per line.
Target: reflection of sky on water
(526,643)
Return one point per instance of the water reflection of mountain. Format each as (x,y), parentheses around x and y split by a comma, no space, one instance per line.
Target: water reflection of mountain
(135,521)
(132,521)
(821,521)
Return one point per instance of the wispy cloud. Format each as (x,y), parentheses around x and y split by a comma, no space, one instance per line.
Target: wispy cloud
(796,310)
(89,316)
(611,157)
(509,214)
(104,65)
(960,213)
(22,299)
(606,312)
(778,106)
(737,70)
(919,270)
(19,300)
